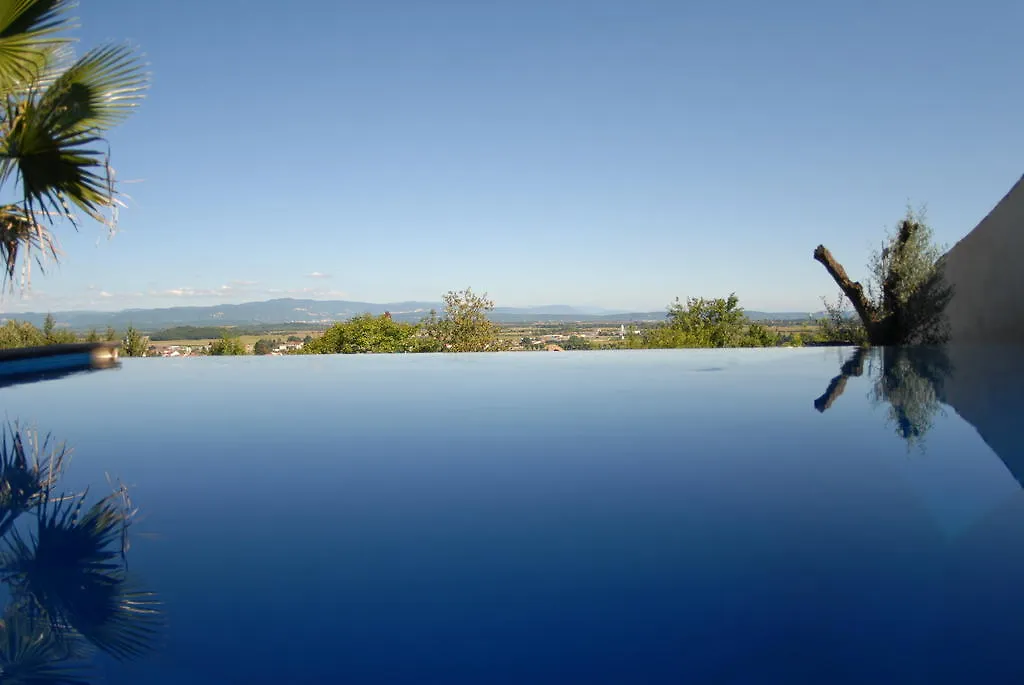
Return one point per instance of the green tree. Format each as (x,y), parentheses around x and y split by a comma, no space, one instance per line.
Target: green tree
(110,335)
(700,322)
(464,326)
(264,346)
(227,346)
(134,344)
(759,335)
(715,322)
(577,342)
(54,335)
(20,334)
(907,296)
(52,125)
(92,336)
(365,333)
(840,324)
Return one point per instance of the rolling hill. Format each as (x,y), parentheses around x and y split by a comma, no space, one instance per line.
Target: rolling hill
(288,310)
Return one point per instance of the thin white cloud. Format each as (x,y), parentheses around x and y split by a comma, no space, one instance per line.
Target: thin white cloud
(318,274)
(185,292)
(310,293)
(112,300)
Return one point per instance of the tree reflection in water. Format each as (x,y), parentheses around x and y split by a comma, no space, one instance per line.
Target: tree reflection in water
(64,566)
(909,379)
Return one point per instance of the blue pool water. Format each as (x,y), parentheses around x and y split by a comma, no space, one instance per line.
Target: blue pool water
(697,516)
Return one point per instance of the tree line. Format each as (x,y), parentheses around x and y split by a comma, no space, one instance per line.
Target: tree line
(903,303)
(463,327)
(14,333)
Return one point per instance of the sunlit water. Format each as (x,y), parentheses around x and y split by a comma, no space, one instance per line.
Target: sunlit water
(619,517)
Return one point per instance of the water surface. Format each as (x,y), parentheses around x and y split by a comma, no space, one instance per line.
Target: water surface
(594,517)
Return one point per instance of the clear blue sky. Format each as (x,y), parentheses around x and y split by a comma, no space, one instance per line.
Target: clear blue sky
(592,152)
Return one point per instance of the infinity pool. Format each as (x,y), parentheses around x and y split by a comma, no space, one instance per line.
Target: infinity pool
(732,517)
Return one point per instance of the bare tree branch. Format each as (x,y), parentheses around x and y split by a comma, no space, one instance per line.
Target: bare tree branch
(852,289)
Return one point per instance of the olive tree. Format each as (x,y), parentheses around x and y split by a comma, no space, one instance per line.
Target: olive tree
(906,298)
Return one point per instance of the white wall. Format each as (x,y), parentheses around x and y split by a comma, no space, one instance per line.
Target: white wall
(986,269)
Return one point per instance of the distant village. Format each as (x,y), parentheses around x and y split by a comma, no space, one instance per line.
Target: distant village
(203,350)
(554,342)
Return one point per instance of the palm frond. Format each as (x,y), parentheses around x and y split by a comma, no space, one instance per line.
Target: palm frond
(97,92)
(56,168)
(31,654)
(73,571)
(28,32)
(21,234)
(25,478)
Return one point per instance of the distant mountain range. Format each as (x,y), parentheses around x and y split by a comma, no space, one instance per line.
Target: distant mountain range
(292,311)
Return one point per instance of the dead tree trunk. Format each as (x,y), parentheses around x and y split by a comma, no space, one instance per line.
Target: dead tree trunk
(853,290)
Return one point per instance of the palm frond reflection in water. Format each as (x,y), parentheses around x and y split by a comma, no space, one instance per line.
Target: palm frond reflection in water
(31,654)
(24,481)
(66,571)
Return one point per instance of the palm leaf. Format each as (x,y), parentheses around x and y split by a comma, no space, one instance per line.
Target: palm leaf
(73,571)
(54,167)
(95,93)
(28,31)
(31,654)
(25,479)
(21,234)
(50,140)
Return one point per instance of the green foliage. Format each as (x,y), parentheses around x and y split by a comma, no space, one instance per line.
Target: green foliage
(190,333)
(464,326)
(907,284)
(54,336)
(637,340)
(265,346)
(365,333)
(92,336)
(758,335)
(527,343)
(840,325)
(708,323)
(701,322)
(64,570)
(110,335)
(227,347)
(906,297)
(56,110)
(20,334)
(577,342)
(134,344)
